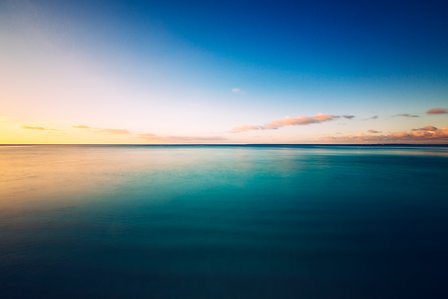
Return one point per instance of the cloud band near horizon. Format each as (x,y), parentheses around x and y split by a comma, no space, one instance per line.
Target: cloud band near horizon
(427,134)
(150,137)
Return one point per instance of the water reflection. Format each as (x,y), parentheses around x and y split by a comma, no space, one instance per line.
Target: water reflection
(32,173)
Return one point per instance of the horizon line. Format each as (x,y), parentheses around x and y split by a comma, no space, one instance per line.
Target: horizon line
(225,144)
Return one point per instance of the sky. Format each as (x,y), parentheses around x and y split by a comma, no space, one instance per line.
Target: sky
(223,71)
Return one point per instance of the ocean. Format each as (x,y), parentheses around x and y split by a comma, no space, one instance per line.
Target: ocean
(243,221)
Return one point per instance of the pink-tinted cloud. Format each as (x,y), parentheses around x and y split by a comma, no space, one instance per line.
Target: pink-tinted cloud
(437,111)
(154,138)
(428,134)
(104,130)
(291,121)
(116,131)
(245,128)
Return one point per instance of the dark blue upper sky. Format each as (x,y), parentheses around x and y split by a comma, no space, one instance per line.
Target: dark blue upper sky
(324,38)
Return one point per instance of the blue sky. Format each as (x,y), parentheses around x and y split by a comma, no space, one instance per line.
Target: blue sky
(199,69)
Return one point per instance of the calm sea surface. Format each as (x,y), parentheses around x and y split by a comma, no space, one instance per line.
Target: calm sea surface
(223,222)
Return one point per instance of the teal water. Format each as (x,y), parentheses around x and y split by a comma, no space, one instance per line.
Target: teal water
(223,222)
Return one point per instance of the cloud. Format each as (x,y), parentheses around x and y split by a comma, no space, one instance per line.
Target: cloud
(372,117)
(437,111)
(406,115)
(236,90)
(34,128)
(427,128)
(181,139)
(299,121)
(428,134)
(245,128)
(291,121)
(374,131)
(104,130)
(115,131)
(154,138)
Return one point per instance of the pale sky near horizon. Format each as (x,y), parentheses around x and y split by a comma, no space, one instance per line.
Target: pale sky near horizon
(223,72)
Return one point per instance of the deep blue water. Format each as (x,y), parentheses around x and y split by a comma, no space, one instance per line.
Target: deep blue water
(223,222)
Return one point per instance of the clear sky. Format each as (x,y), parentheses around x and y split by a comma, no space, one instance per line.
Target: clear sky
(223,71)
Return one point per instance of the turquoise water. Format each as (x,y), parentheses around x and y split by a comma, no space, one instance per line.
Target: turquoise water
(223,222)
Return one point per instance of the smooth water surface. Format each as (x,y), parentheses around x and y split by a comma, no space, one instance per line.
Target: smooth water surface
(223,222)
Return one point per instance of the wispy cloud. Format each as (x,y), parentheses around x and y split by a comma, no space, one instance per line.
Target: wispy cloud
(374,131)
(245,128)
(104,130)
(154,138)
(299,121)
(291,121)
(427,128)
(437,111)
(181,139)
(116,131)
(34,128)
(237,90)
(406,115)
(81,127)
(372,117)
(427,134)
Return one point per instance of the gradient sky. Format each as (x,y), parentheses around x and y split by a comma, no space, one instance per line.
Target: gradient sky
(223,71)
